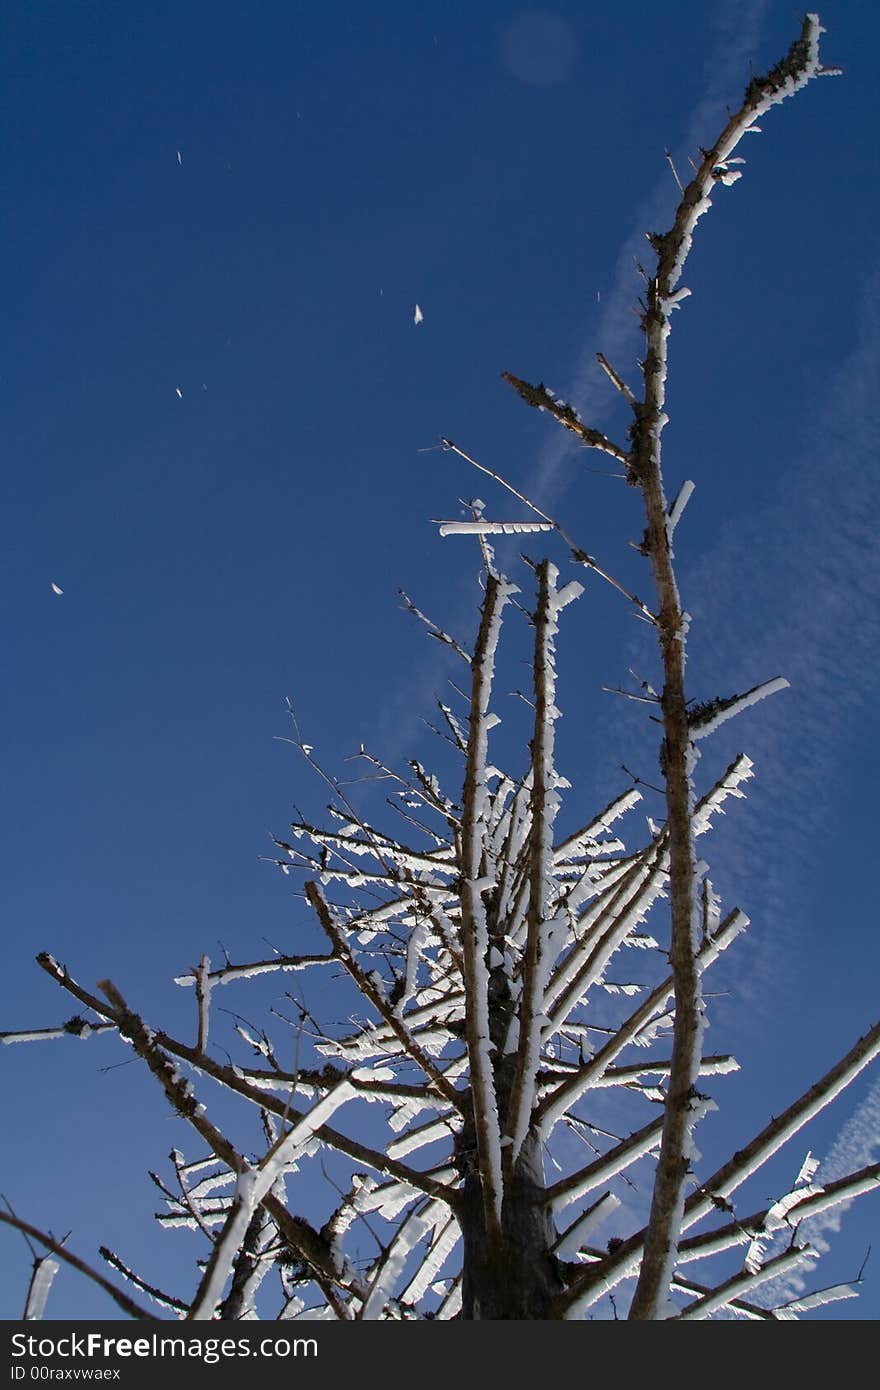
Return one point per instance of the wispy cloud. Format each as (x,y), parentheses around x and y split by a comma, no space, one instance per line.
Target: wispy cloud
(616,330)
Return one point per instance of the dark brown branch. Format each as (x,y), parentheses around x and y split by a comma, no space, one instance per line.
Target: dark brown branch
(128,1305)
(346,958)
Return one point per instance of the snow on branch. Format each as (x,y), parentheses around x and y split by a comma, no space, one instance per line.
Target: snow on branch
(704,719)
(835,1293)
(800,65)
(370,990)
(543,399)
(579,555)
(674,514)
(228,974)
(572,1238)
(119,1296)
(483,1013)
(389,1267)
(253,1185)
(155,1047)
(743,1230)
(42,1278)
(745,1281)
(586,837)
(75,1027)
(618,1158)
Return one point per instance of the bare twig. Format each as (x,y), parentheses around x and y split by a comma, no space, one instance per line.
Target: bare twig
(165,1300)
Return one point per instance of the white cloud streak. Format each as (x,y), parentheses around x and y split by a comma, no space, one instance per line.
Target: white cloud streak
(617,333)
(807,606)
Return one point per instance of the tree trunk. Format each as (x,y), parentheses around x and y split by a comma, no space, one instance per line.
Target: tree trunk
(518,1278)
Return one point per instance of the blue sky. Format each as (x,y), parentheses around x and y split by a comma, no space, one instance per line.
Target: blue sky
(218,416)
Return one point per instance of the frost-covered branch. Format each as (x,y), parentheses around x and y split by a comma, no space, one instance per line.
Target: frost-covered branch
(744,1230)
(75,1027)
(744,1281)
(253,1185)
(578,554)
(370,991)
(163,1299)
(494,983)
(434,631)
(474,932)
(706,718)
(153,1047)
(42,1279)
(753,1155)
(543,399)
(228,974)
(539,918)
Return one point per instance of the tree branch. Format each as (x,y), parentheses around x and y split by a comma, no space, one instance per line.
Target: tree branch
(121,1299)
(474,934)
(672,249)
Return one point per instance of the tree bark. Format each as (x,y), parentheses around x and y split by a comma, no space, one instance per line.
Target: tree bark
(516,1277)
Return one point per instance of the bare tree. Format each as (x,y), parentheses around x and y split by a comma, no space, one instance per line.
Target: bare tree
(483,952)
